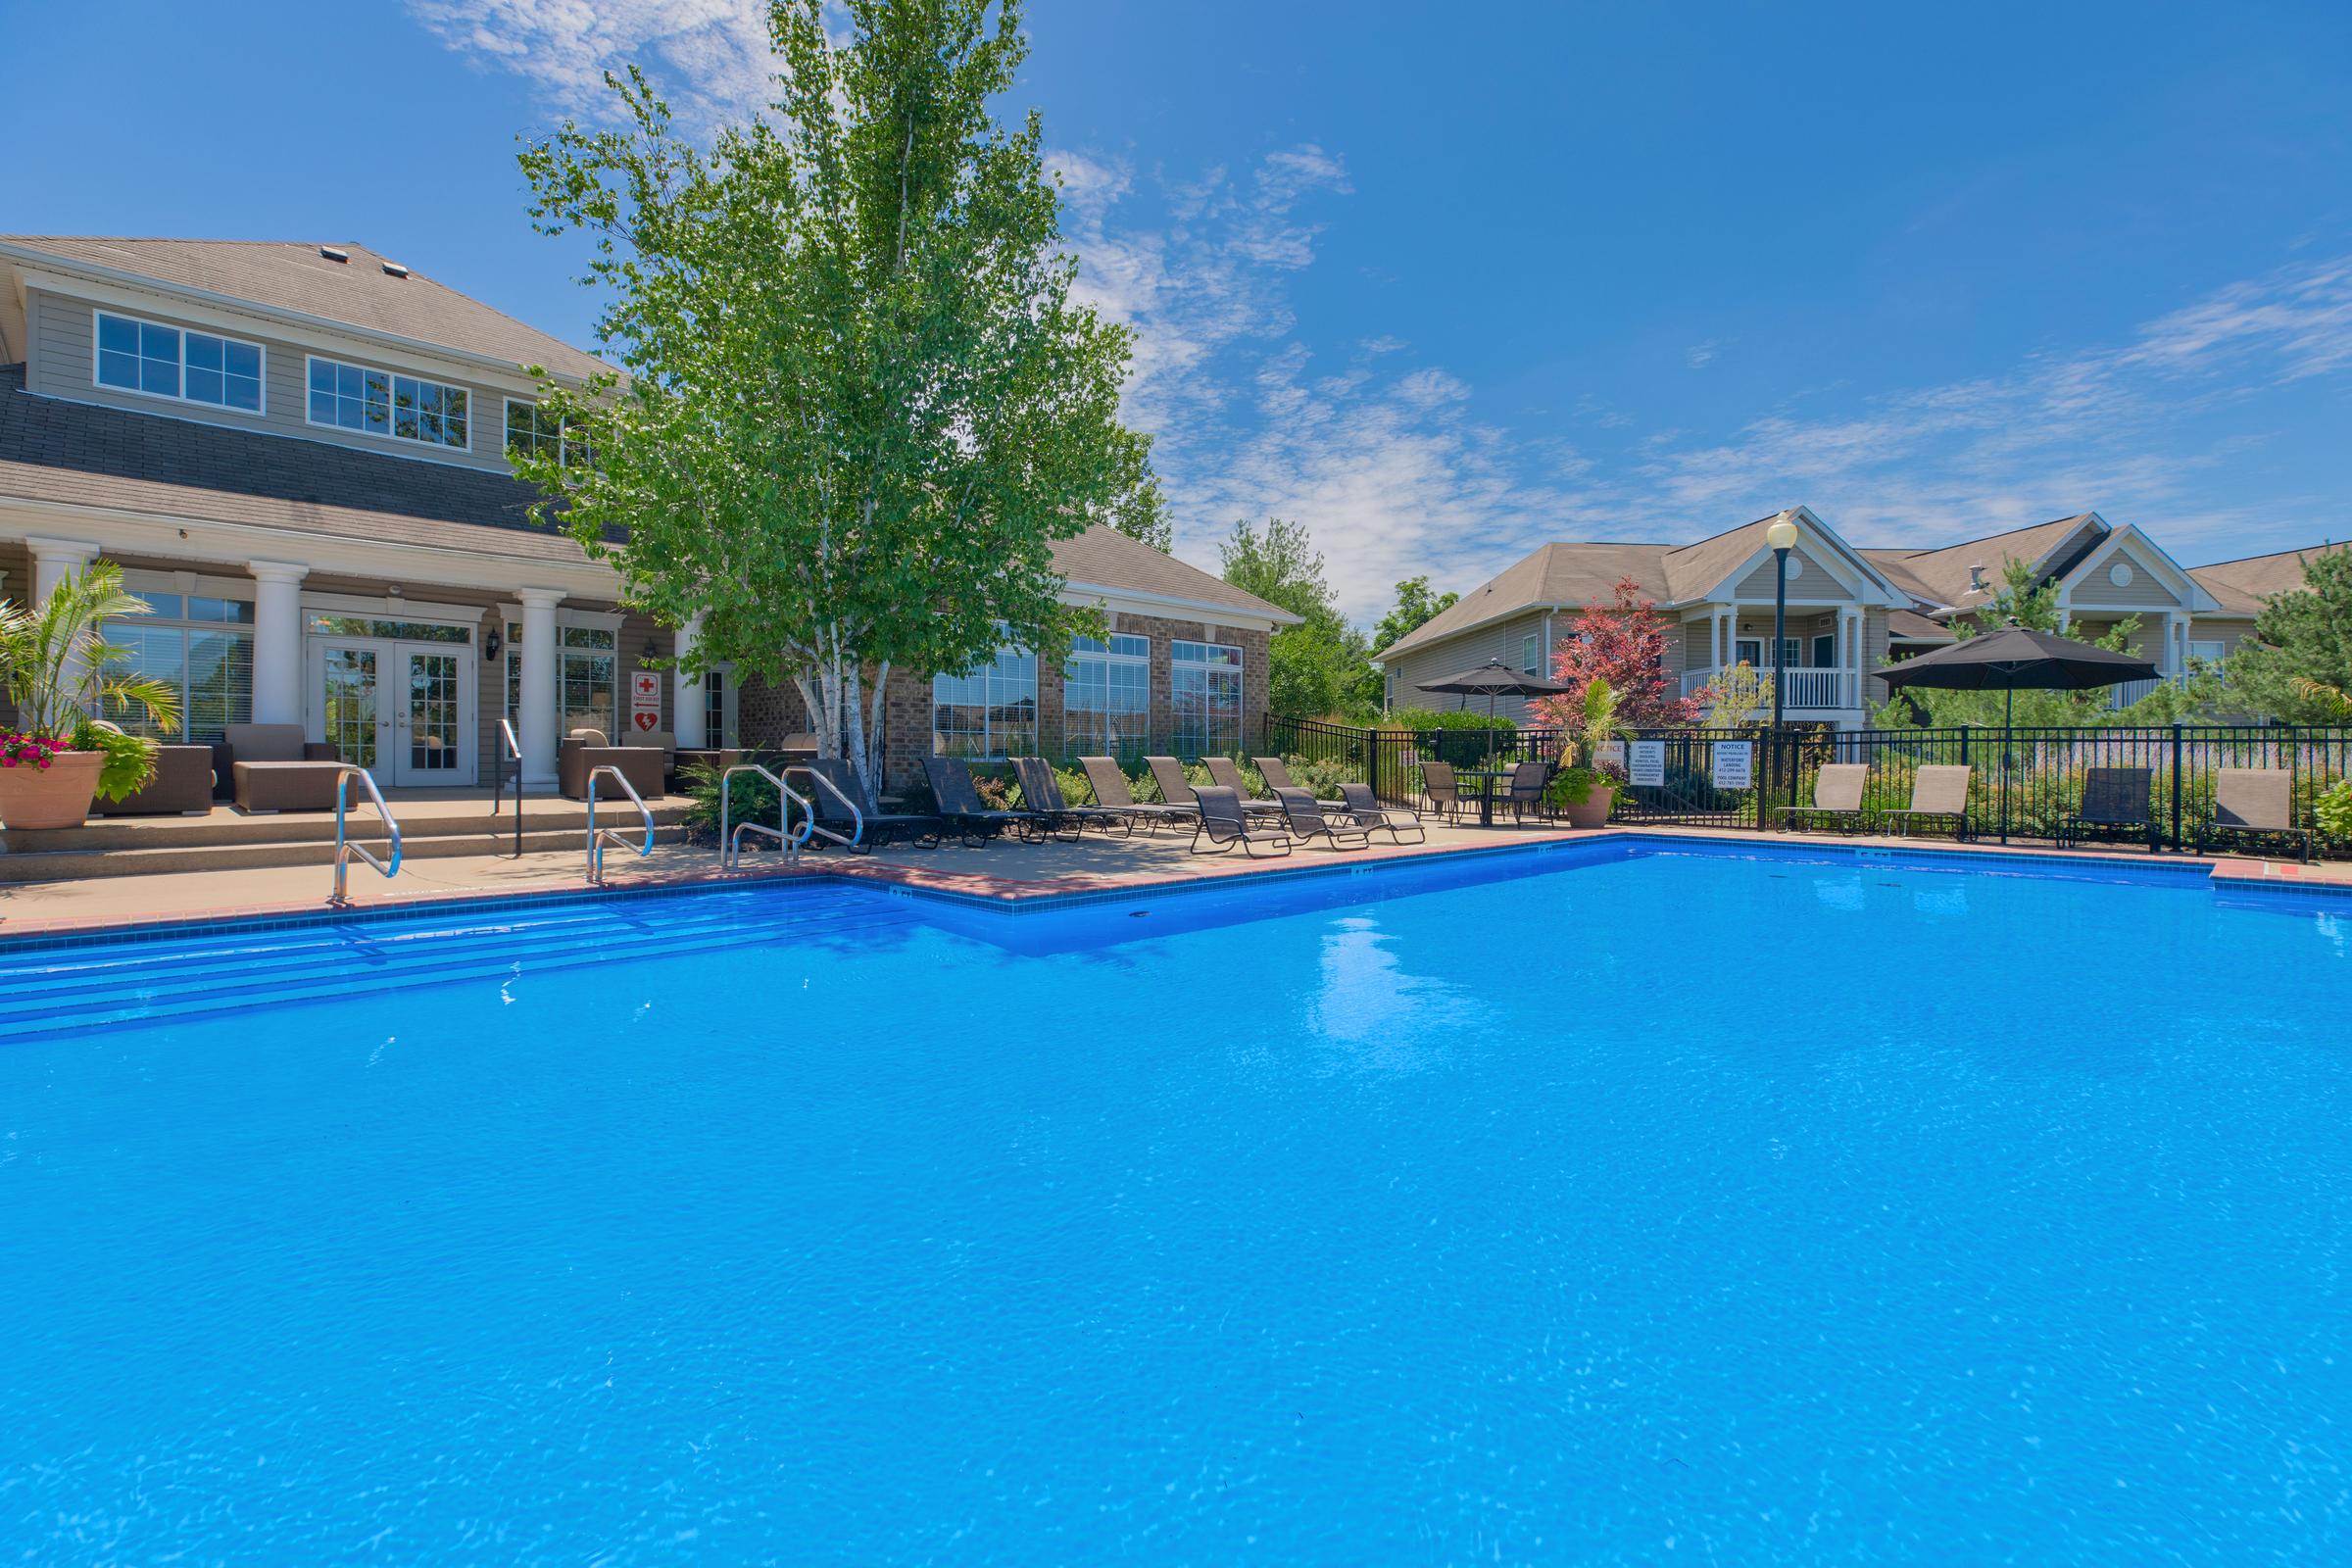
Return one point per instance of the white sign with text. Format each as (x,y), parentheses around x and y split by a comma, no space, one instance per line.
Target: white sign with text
(1649,766)
(1735,765)
(644,700)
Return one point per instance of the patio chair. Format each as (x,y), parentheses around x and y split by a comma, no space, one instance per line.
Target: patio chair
(2255,803)
(1836,796)
(1109,785)
(1440,790)
(2114,803)
(1374,818)
(1223,824)
(1041,792)
(1227,773)
(1938,793)
(1277,774)
(1303,819)
(1526,789)
(959,803)
(1167,775)
(878,827)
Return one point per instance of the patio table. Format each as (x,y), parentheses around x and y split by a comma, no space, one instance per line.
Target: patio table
(1488,781)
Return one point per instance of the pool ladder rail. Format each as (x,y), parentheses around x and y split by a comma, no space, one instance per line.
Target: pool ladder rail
(596,837)
(732,832)
(346,846)
(510,765)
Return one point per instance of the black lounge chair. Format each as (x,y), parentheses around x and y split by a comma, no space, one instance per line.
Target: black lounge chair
(2256,803)
(1041,792)
(1836,797)
(1373,817)
(1227,774)
(1167,776)
(959,803)
(1303,819)
(872,828)
(1113,794)
(1223,824)
(2114,803)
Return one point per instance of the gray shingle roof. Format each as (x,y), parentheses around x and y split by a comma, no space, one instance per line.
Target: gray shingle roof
(2245,585)
(1941,576)
(1104,558)
(286,275)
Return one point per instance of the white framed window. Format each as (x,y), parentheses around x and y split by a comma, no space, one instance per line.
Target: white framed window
(530,430)
(200,643)
(1106,698)
(2207,653)
(133,355)
(588,684)
(1531,655)
(379,402)
(1204,688)
(1748,650)
(990,713)
(719,707)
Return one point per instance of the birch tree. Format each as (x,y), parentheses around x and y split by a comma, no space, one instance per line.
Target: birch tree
(859,403)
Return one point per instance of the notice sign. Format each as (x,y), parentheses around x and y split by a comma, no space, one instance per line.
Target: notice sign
(644,700)
(1612,753)
(1735,765)
(1649,765)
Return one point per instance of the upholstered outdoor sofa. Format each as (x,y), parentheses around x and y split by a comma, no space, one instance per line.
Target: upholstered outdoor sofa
(276,770)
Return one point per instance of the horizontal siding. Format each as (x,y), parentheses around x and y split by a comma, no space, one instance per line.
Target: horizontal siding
(1808,583)
(62,330)
(2143,592)
(1467,651)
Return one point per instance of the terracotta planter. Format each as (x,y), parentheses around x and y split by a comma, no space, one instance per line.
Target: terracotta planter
(1592,810)
(56,796)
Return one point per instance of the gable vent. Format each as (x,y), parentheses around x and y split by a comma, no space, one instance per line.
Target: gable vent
(334,252)
(395,269)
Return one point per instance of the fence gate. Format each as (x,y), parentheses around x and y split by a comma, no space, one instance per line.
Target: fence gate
(1691,778)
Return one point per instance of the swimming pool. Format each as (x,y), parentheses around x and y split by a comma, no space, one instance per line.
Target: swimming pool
(1610,1205)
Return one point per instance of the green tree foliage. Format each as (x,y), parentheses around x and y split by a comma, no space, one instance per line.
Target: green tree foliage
(2034,606)
(2298,666)
(1416,605)
(861,405)
(1322,666)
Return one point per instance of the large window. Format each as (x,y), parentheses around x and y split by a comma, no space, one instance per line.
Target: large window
(1204,687)
(1531,656)
(372,402)
(587,690)
(170,362)
(990,712)
(199,644)
(529,430)
(1106,698)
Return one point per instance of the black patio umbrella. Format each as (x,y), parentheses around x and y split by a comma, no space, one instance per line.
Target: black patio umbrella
(1493,679)
(2014,659)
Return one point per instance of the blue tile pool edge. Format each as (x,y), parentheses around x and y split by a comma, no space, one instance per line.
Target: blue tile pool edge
(2118,870)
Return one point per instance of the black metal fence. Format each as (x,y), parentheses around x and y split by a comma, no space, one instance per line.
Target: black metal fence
(2025,785)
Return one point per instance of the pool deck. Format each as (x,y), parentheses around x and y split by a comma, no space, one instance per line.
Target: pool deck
(1005,872)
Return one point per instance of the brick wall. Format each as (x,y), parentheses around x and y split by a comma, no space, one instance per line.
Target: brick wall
(765,714)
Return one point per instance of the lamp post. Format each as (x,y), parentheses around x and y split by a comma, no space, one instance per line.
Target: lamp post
(1782,536)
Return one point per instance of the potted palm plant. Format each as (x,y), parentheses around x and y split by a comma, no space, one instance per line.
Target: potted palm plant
(1583,790)
(59,670)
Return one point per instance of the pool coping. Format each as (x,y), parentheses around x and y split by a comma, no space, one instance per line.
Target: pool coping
(2262,879)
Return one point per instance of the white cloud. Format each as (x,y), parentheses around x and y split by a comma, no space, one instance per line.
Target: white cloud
(710,58)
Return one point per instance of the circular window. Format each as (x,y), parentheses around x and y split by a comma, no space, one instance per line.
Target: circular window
(1796,568)
(2120,574)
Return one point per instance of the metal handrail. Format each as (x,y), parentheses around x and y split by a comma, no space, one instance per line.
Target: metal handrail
(857,834)
(512,749)
(346,848)
(730,832)
(596,839)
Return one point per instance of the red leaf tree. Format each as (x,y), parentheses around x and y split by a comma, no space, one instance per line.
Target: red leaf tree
(1624,643)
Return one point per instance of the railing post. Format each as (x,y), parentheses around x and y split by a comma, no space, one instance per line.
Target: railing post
(2177,758)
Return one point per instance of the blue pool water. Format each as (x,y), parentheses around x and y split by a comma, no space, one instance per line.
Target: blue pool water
(1586,1207)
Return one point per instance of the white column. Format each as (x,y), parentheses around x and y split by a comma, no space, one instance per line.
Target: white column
(53,559)
(2168,662)
(277,641)
(538,715)
(687,709)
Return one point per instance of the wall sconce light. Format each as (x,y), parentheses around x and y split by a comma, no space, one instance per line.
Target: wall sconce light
(649,656)
(492,644)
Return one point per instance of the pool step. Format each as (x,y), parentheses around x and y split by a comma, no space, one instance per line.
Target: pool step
(83,988)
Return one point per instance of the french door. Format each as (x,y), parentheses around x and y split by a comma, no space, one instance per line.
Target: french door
(402,710)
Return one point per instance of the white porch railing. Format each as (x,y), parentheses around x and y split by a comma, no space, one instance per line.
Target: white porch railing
(1807,689)
(2128,692)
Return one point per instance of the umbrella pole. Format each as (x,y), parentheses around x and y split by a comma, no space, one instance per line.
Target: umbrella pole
(2008,713)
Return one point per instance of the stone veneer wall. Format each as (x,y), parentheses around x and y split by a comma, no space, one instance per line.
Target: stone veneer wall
(765,715)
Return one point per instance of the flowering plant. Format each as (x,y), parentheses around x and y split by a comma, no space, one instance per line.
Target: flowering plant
(59,673)
(21,749)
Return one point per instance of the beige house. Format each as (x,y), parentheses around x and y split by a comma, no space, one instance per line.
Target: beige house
(297,454)
(1717,596)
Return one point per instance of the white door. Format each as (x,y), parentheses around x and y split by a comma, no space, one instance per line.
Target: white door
(402,710)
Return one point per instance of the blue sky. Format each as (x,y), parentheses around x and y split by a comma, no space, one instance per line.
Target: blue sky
(1446,283)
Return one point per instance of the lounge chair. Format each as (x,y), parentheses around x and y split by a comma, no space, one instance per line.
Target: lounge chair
(959,804)
(877,827)
(1223,824)
(1227,774)
(1939,794)
(1836,796)
(1374,818)
(1439,789)
(1302,818)
(1526,789)
(1112,793)
(2255,803)
(1167,775)
(1277,774)
(1041,792)
(2114,803)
